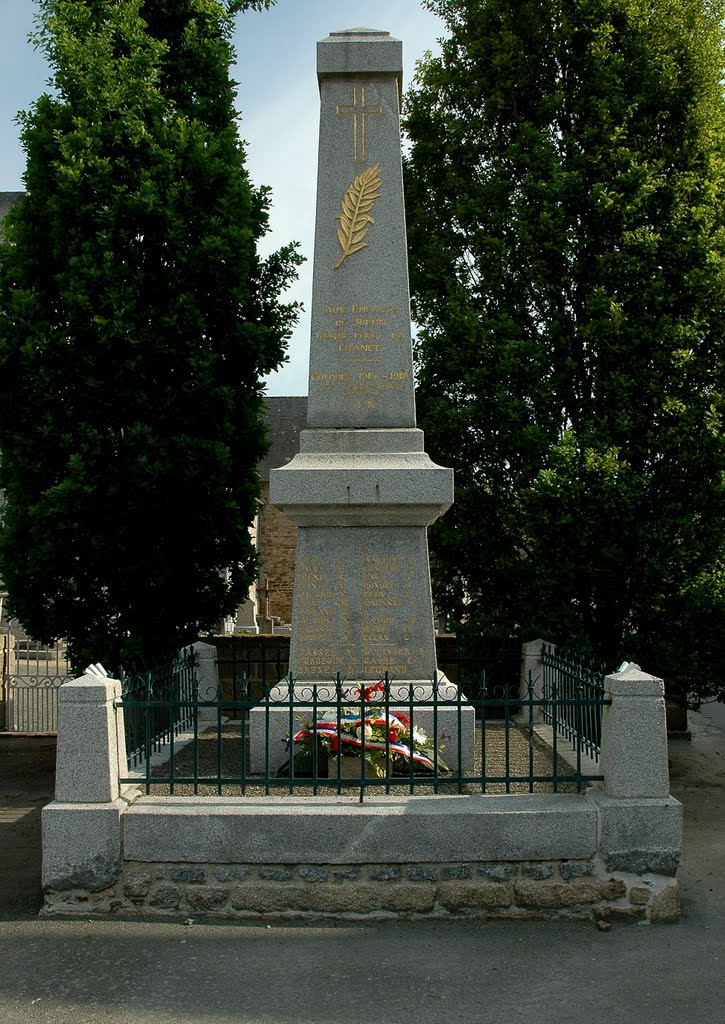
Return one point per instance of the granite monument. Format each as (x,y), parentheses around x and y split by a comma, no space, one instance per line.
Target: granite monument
(362,490)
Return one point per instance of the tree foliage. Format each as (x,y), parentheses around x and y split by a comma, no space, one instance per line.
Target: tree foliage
(565,193)
(136,320)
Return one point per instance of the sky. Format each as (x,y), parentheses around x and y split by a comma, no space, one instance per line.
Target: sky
(279,103)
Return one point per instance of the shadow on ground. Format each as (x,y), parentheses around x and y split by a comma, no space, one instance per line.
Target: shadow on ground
(27,781)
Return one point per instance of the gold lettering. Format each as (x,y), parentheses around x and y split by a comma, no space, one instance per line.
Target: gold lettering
(330,376)
(370,321)
(356,404)
(335,310)
(375,310)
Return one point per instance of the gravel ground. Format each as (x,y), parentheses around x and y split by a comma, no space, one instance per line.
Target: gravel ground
(521,760)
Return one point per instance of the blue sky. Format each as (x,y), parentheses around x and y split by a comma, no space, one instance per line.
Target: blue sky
(279,102)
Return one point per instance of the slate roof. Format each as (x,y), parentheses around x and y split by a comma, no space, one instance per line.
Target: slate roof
(7,200)
(285,416)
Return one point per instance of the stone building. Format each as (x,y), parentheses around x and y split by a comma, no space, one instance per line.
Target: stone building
(276,534)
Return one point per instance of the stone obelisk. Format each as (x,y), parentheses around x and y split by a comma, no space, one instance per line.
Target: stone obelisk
(362,491)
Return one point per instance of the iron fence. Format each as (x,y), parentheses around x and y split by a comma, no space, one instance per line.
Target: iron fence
(481,667)
(573,692)
(32,674)
(158,706)
(253,666)
(263,660)
(31,703)
(338,738)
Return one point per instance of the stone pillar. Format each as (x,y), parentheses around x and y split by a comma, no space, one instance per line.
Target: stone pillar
(532,672)
(640,824)
(634,736)
(207,675)
(81,827)
(362,491)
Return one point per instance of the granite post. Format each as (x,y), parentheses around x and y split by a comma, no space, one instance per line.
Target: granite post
(82,826)
(640,824)
(632,725)
(362,491)
(207,675)
(532,674)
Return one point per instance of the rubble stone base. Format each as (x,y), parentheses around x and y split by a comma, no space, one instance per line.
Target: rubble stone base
(577,890)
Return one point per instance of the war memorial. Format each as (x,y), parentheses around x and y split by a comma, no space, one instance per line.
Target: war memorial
(362,492)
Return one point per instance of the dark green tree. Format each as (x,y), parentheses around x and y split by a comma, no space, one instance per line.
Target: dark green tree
(136,322)
(565,191)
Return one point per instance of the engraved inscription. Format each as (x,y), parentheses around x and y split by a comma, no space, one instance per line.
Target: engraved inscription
(378,578)
(317,602)
(359,335)
(385,310)
(357,614)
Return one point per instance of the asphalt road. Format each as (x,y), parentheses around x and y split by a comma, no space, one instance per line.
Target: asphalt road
(433,972)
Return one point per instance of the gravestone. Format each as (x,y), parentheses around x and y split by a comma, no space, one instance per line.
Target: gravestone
(361,491)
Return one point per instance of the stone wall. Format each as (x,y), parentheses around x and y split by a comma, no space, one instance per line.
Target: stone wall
(540,889)
(277,541)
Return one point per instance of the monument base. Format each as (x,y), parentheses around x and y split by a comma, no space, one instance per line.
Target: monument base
(290,706)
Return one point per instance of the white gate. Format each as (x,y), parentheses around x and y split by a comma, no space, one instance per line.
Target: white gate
(31,677)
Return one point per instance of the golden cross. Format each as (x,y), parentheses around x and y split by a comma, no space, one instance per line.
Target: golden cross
(358,123)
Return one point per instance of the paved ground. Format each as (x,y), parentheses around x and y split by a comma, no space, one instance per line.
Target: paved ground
(94,972)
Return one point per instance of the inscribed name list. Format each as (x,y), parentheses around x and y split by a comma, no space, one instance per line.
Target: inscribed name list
(358,609)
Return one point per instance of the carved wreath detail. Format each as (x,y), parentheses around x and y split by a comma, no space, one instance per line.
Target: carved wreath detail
(355,217)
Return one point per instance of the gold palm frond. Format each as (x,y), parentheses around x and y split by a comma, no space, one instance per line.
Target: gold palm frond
(355,217)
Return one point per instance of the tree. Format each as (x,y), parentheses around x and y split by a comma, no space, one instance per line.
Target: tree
(565,192)
(136,320)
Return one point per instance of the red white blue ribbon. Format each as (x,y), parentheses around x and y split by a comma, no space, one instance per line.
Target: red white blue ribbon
(342,733)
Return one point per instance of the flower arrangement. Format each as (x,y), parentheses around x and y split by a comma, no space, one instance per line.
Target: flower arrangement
(371,732)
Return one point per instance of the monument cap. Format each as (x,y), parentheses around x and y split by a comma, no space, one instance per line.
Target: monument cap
(359,51)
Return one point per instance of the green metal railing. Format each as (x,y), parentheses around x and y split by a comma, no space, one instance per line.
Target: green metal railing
(573,691)
(158,705)
(264,660)
(235,744)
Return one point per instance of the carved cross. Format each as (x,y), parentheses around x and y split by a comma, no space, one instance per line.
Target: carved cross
(359,113)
